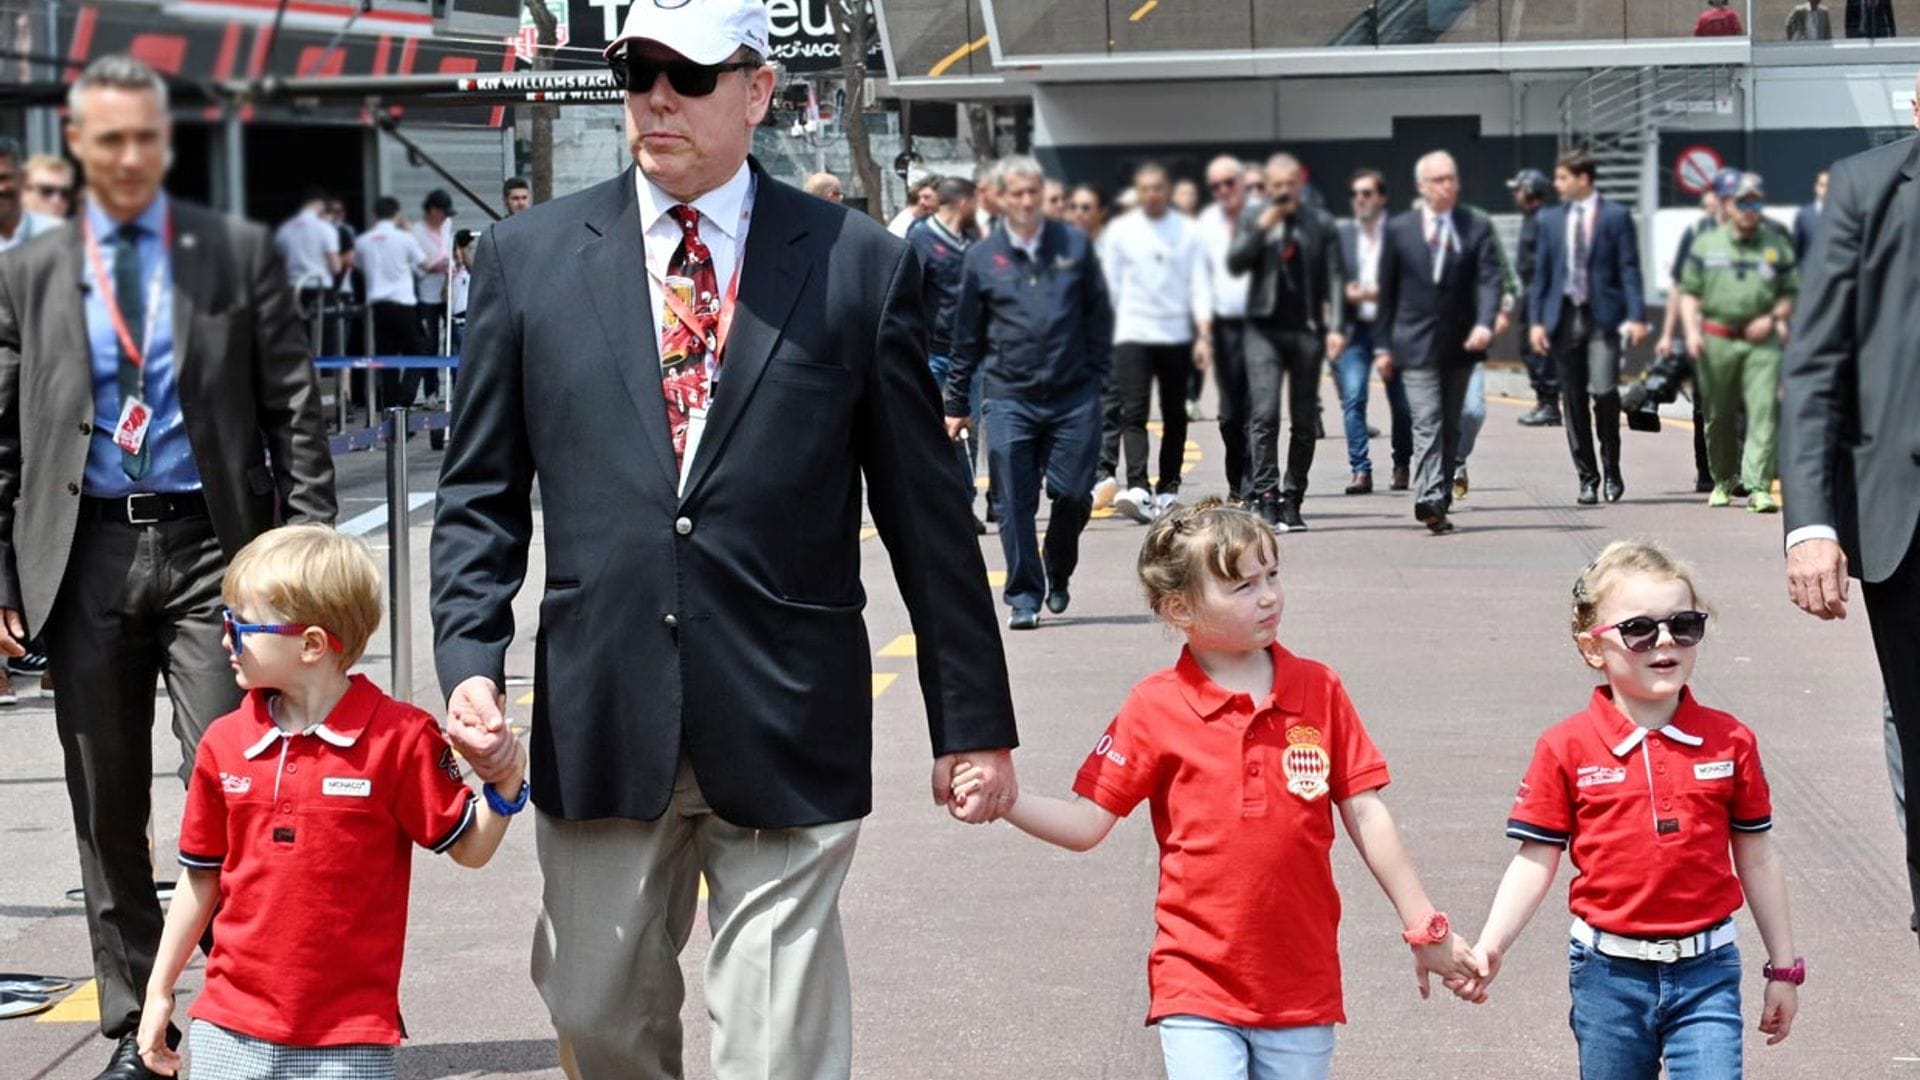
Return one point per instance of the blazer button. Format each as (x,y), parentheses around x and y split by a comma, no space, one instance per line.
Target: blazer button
(73,489)
(683,526)
(86,428)
(671,620)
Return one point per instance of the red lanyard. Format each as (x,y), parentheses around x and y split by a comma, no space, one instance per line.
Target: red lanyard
(136,354)
(716,340)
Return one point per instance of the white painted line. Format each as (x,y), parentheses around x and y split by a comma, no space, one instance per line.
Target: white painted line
(376,517)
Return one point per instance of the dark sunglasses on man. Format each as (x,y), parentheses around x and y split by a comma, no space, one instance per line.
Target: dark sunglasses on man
(1363,193)
(637,74)
(1642,632)
(52,191)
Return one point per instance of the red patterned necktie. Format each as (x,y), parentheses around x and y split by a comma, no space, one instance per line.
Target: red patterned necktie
(684,378)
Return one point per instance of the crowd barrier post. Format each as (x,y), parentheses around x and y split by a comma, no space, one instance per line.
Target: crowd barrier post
(399,556)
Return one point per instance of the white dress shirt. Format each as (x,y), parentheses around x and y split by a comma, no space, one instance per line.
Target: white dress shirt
(305,242)
(1159,275)
(724,215)
(1229,291)
(1587,209)
(1449,239)
(1366,245)
(389,258)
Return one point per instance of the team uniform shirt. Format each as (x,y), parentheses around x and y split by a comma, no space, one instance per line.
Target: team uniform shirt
(389,258)
(305,242)
(1242,794)
(1229,290)
(1647,816)
(313,834)
(1739,279)
(1158,271)
(438,245)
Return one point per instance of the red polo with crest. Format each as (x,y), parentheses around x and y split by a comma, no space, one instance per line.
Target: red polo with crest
(1242,794)
(1647,816)
(313,836)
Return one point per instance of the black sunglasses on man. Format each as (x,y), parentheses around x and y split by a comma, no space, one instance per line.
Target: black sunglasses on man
(637,74)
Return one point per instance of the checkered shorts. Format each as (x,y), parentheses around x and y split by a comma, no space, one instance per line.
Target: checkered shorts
(214,1053)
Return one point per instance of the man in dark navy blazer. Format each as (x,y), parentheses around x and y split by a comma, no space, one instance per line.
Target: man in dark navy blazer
(1587,306)
(703,701)
(1440,282)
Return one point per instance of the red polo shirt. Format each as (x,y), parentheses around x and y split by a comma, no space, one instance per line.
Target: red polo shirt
(1646,815)
(313,836)
(1242,795)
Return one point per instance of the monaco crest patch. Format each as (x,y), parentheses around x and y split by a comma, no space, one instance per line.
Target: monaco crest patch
(1306,763)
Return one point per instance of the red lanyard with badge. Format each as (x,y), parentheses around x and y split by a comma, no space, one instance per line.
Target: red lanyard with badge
(130,432)
(714,337)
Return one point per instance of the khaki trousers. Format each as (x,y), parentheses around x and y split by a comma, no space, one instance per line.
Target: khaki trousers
(618,905)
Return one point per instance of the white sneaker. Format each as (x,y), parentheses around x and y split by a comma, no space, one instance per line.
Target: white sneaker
(1138,504)
(1103,492)
(1165,502)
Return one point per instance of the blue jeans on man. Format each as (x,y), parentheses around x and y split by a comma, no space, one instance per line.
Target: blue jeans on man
(1473,415)
(1354,370)
(1630,1015)
(1028,443)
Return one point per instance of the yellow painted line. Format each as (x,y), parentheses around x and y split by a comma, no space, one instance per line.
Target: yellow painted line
(868,534)
(1143,11)
(1192,447)
(996,579)
(900,646)
(955,57)
(524,699)
(882,680)
(1103,513)
(80,1007)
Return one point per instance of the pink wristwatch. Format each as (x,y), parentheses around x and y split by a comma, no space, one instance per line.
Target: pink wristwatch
(1433,932)
(1796,974)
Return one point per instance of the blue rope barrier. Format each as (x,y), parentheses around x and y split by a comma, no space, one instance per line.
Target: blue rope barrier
(384,363)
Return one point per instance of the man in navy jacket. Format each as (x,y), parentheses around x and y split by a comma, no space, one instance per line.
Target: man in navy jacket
(1587,304)
(1034,310)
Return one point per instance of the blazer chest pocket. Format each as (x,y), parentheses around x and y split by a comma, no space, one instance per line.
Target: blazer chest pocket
(804,375)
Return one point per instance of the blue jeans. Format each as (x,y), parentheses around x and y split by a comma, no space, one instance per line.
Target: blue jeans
(970,450)
(1473,415)
(1354,369)
(1029,443)
(1630,1014)
(1200,1049)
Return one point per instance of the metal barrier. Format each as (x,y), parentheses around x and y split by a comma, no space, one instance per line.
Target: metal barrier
(435,423)
(399,556)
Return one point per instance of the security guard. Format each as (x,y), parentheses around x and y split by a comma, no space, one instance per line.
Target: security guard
(1033,314)
(1737,288)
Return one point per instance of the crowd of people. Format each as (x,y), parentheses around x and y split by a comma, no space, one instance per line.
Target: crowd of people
(708,725)
(1266,289)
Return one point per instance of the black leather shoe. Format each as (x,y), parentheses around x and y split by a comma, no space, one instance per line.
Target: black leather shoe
(1440,525)
(1268,507)
(1615,489)
(1058,598)
(1702,484)
(1542,416)
(1361,484)
(1426,513)
(1023,619)
(1589,492)
(1399,481)
(125,1064)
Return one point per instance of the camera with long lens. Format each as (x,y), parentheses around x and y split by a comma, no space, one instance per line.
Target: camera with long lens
(1659,385)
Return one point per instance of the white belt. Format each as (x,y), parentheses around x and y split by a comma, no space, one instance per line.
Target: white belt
(1663,951)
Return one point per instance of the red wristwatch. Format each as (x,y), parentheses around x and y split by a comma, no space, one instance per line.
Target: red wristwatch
(1433,933)
(1796,974)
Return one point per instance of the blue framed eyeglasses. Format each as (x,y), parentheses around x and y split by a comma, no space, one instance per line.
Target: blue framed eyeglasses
(237,632)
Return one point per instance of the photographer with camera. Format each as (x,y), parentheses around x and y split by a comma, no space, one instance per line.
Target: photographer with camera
(1736,294)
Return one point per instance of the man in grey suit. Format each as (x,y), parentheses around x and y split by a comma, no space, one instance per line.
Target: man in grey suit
(1440,282)
(1850,427)
(680,356)
(158,409)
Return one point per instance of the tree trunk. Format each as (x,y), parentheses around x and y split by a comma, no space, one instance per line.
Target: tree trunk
(853,31)
(540,158)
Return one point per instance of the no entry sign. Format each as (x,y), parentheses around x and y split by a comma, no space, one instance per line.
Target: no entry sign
(1693,170)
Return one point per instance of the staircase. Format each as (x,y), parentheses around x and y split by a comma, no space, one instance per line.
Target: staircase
(1618,115)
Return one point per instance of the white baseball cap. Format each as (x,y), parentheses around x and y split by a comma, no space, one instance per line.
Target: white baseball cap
(703,31)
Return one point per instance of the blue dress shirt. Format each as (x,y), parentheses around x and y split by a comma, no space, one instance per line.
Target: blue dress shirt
(171,468)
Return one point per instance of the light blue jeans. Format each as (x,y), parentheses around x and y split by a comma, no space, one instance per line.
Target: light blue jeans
(1473,415)
(1200,1049)
(1630,1015)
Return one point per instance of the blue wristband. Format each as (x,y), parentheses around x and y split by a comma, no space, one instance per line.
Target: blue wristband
(503,807)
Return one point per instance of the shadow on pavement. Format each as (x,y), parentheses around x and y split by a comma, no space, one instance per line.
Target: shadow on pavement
(422,1062)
